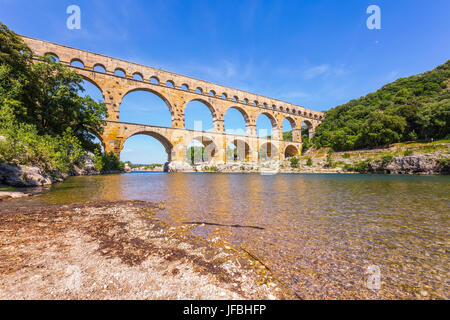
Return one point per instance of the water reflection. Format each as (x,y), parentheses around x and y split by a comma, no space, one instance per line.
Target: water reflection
(319,233)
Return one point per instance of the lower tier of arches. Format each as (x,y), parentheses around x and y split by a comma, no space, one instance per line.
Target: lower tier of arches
(215,148)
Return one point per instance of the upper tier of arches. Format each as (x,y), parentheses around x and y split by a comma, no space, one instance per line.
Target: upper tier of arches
(140,73)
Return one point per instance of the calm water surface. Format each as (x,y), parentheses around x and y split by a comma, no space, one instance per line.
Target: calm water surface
(318,232)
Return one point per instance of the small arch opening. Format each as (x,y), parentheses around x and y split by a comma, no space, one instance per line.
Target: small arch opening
(100,68)
(154,80)
(77,63)
(138,76)
(52,56)
(120,73)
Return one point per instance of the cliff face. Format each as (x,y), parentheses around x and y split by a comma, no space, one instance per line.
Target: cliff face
(414,164)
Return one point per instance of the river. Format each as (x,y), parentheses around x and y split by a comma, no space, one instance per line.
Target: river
(320,234)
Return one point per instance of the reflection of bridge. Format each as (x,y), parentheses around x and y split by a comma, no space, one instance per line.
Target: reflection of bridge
(177,91)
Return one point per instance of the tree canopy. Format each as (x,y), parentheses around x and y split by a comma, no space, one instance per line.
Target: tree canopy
(44,121)
(44,93)
(413,108)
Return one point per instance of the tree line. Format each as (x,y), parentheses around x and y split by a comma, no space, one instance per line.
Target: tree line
(409,109)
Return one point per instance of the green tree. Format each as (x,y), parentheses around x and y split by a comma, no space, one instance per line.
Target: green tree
(45,93)
(381,129)
(43,119)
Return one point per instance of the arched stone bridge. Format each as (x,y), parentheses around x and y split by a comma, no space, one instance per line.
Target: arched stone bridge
(177,91)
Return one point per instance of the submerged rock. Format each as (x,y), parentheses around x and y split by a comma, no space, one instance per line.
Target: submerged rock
(5,195)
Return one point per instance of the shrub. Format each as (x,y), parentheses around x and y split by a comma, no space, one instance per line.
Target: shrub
(306,143)
(346,155)
(348,167)
(412,136)
(387,159)
(110,163)
(362,166)
(23,145)
(294,162)
(309,162)
(408,153)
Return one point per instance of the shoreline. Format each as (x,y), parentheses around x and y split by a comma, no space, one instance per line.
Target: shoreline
(119,250)
(24,192)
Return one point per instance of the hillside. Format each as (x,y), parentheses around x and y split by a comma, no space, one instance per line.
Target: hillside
(409,109)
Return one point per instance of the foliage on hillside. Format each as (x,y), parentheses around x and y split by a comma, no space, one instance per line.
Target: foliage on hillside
(413,108)
(43,119)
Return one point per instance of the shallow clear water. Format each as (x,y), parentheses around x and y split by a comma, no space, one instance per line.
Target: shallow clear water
(318,232)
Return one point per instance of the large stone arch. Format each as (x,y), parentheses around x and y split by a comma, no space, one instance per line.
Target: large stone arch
(268,151)
(155,92)
(291,121)
(271,118)
(100,138)
(244,114)
(211,147)
(310,127)
(295,132)
(242,151)
(94,83)
(206,103)
(273,122)
(158,136)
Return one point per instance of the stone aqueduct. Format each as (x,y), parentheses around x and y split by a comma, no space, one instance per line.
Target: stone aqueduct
(177,91)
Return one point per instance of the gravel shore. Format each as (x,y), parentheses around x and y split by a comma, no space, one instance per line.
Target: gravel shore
(118,250)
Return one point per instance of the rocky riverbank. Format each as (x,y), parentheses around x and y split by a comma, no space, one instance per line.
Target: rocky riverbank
(119,250)
(415,158)
(24,176)
(402,158)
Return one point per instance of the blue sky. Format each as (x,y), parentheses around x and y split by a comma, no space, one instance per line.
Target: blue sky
(318,54)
